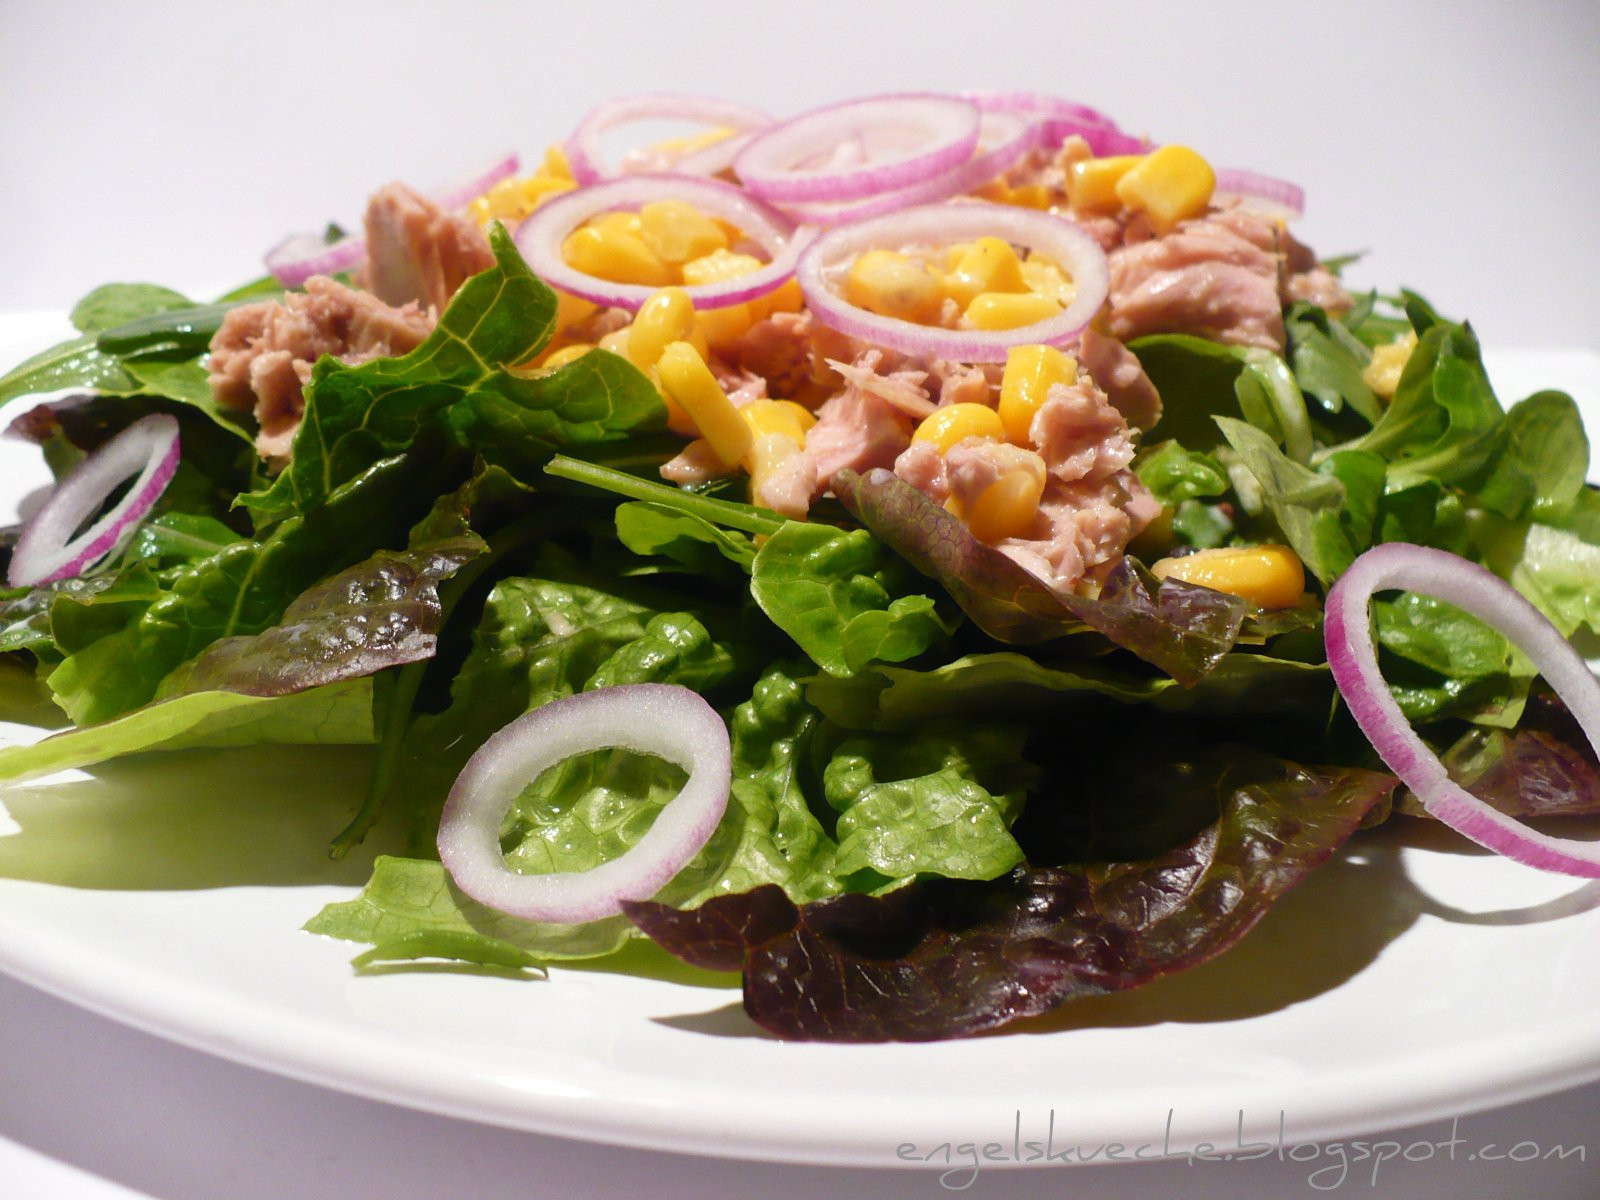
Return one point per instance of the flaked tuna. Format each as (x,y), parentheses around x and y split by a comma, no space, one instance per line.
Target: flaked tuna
(417,251)
(261,357)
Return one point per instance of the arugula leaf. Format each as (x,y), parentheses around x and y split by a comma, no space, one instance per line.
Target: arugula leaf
(1444,422)
(1325,515)
(1543,460)
(72,364)
(162,334)
(843,597)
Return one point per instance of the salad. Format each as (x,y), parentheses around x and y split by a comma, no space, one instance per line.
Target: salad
(920,554)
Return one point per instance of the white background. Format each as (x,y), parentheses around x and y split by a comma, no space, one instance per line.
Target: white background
(175,142)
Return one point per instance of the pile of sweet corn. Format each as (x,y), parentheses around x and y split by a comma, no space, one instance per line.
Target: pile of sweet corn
(512,201)
(1168,185)
(670,245)
(984,280)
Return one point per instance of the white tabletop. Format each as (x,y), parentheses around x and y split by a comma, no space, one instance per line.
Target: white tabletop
(175,142)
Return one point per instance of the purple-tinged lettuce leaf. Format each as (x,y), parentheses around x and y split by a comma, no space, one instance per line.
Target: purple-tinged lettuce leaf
(304,680)
(945,958)
(1543,768)
(1183,629)
(381,613)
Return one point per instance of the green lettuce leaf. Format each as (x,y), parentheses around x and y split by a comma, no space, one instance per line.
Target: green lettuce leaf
(915,805)
(333,714)
(843,597)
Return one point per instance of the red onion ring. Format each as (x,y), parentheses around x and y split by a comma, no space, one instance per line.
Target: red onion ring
(46,550)
(1059,119)
(926,135)
(583,147)
(466,192)
(1262,191)
(1353,657)
(670,722)
(539,238)
(1078,254)
(301,255)
(1002,140)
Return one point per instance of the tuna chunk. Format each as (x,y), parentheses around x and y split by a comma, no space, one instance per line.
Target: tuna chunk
(1119,374)
(1208,277)
(1081,437)
(262,356)
(417,251)
(857,429)
(1092,505)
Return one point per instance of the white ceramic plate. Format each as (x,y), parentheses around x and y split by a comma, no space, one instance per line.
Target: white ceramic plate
(1404,981)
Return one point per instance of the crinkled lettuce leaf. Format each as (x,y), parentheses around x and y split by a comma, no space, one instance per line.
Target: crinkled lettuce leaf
(843,597)
(945,958)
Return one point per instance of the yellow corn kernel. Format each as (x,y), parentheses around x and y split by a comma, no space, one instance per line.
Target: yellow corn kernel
(511,200)
(1172,184)
(1030,373)
(1029,195)
(767,453)
(1092,182)
(1007,310)
(571,309)
(721,327)
(617,222)
(678,232)
(555,162)
(616,342)
(991,265)
(893,285)
(668,316)
(722,265)
(719,266)
(1007,507)
(686,379)
(565,355)
(1388,363)
(615,255)
(778,416)
(1043,276)
(1267,576)
(954,253)
(946,426)
(786,297)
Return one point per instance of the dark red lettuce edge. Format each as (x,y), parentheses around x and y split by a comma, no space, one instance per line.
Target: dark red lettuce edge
(947,958)
(1182,629)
